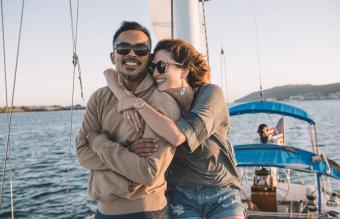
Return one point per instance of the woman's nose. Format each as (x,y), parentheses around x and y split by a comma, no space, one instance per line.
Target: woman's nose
(155,72)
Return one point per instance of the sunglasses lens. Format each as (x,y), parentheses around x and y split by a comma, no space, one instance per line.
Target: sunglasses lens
(141,50)
(123,48)
(161,67)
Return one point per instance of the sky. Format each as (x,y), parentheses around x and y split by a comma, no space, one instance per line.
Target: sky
(298,43)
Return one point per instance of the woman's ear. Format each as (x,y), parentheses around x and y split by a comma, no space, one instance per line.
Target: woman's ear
(112,57)
(184,73)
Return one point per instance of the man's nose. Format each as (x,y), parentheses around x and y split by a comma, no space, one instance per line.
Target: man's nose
(131,53)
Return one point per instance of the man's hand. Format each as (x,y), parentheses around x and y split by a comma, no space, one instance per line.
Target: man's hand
(144,147)
(91,136)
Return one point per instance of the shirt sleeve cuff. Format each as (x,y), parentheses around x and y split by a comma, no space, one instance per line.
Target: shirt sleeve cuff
(191,138)
(98,142)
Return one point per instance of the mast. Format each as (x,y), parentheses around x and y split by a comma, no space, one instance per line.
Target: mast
(186,22)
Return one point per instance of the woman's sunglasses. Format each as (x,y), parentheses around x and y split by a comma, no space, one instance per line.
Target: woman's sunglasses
(138,49)
(162,65)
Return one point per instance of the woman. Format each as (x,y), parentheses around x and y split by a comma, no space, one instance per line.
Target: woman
(203,182)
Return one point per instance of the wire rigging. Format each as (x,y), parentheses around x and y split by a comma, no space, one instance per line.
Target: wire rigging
(205,31)
(258,51)
(75,58)
(76,65)
(4,57)
(225,73)
(172,19)
(9,115)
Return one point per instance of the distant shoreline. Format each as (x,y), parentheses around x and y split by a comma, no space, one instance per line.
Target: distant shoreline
(17,109)
(22,109)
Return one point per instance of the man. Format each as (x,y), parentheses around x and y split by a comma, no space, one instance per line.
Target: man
(265,137)
(124,184)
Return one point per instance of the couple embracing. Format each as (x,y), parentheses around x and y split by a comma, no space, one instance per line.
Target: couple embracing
(155,139)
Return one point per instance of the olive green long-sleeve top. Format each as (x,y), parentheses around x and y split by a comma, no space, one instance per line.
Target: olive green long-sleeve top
(206,158)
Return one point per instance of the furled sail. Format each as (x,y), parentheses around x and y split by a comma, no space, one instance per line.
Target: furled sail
(186,18)
(160,12)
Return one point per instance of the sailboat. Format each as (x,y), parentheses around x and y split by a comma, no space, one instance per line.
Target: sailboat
(266,196)
(186,24)
(275,196)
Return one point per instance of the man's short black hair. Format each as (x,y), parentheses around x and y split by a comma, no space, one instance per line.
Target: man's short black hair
(130,25)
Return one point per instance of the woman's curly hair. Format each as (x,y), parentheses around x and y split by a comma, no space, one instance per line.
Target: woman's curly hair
(183,52)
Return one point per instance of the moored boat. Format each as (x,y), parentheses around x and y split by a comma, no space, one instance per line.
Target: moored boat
(270,195)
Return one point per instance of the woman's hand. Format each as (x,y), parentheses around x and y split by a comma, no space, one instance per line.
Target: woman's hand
(133,118)
(144,147)
(129,102)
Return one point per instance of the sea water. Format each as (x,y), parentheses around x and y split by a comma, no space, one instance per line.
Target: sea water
(41,156)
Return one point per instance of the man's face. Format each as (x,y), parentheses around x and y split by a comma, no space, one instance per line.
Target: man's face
(263,132)
(131,66)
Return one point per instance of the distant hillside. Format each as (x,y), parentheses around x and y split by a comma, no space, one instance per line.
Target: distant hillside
(297,92)
(17,109)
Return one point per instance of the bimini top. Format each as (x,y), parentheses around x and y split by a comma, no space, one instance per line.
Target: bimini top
(284,156)
(271,107)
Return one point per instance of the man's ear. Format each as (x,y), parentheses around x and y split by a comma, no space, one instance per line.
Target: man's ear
(112,57)
(184,73)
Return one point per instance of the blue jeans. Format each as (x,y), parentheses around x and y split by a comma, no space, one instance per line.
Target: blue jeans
(198,202)
(161,214)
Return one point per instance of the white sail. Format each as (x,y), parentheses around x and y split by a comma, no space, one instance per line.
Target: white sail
(186,20)
(160,12)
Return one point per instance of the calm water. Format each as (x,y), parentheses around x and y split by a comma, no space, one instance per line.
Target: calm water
(40,145)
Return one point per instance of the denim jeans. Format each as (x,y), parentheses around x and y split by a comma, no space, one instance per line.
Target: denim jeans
(198,202)
(161,214)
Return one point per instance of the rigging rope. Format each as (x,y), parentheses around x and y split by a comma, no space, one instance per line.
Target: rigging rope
(76,63)
(75,59)
(258,51)
(4,56)
(224,70)
(9,118)
(205,31)
(172,19)
(222,67)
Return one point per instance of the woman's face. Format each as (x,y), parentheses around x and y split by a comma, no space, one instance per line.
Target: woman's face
(171,78)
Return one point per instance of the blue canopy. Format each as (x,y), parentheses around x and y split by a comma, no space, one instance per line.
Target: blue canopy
(271,107)
(283,156)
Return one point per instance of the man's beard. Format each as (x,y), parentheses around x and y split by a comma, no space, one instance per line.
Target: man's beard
(135,77)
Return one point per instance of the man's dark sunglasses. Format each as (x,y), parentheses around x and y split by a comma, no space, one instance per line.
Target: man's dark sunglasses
(138,49)
(162,65)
